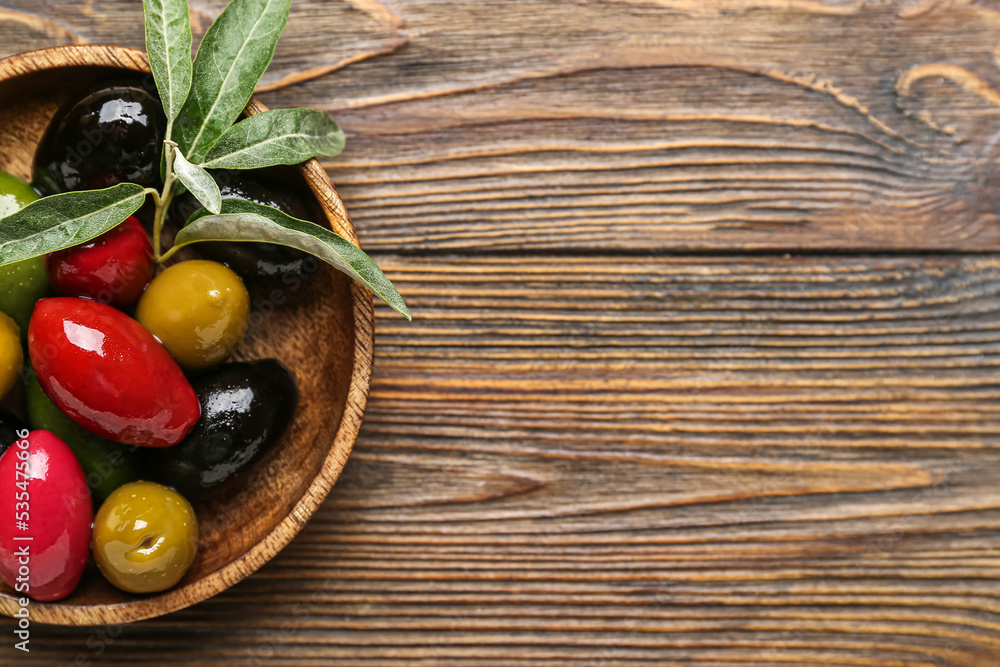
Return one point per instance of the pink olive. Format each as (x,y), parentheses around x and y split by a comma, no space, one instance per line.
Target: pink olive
(45,517)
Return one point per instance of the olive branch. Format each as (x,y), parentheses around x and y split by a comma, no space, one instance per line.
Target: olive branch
(203,100)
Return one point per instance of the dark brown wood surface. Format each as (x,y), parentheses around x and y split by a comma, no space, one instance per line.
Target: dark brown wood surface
(705,363)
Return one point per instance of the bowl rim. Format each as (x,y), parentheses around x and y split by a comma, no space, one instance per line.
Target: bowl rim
(344,437)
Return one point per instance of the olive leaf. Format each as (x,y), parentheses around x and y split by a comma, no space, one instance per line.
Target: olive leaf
(248,221)
(198,182)
(280,136)
(233,55)
(168,43)
(202,99)
(65,220)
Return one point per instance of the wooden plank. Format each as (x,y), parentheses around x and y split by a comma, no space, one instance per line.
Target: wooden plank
(707,461)
(320,38)
(629,125)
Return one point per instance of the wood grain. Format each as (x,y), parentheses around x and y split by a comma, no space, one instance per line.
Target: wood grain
(321,37)
(579,461)
(674,125)
(659,123)
(703,369)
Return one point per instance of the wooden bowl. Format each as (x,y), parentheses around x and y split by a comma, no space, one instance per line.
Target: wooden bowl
(323,334)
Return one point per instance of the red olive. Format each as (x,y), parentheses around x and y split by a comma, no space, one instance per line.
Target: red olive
(45,517)
(108,374)
(113,268)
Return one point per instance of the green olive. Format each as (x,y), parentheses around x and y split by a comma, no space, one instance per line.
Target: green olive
(11,355)
(15,194)
(21,283)
(106,464)
(198,309)
(145,537)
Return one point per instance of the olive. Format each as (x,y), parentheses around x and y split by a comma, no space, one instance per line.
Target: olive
(106,464)
(109,374)
(9,427)
(199,311)
(246,408)
(21,283)
(44,552)
(145,537)
(11,355)
(113,268)
(254,261)
(15,194)
(114,134)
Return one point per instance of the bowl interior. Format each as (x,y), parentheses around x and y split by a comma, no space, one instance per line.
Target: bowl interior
(312,326)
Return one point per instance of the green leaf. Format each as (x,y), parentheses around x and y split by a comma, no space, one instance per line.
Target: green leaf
(281,136)
(168,43)
(198,182)
(248,221)
(65,220)
(231,58)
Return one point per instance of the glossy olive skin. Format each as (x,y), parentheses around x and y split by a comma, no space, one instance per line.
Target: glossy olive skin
(198,309)
(58,516)
(106,464)
(145,537)
(254,261)
(11,354)
(113,268)
(15,194)
(21,283)
(9,427)
(108,373)
(114,134)
(246,408)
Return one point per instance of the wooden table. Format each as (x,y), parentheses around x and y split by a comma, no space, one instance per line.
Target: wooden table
(704,363)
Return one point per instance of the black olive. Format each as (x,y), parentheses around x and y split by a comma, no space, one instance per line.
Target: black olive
(114,134)
(245,409)
(253,261)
